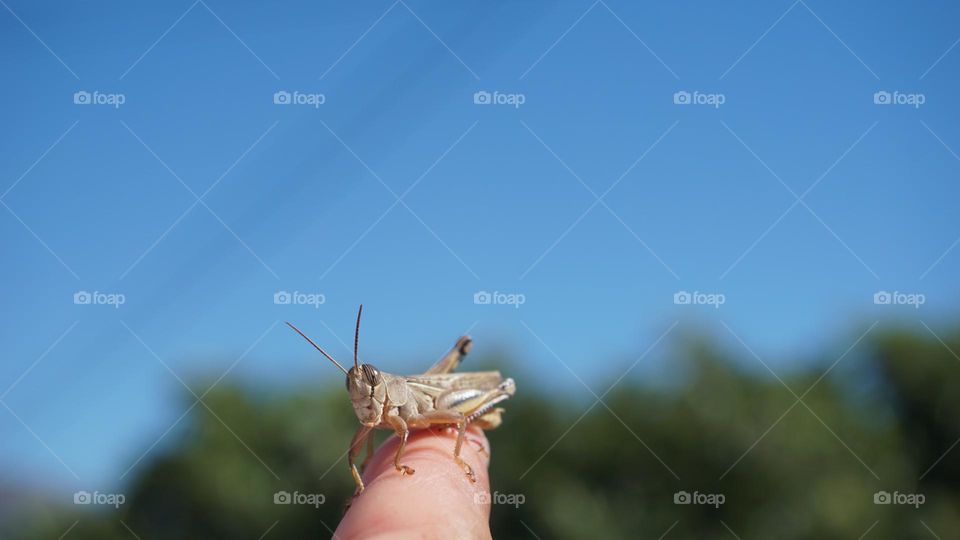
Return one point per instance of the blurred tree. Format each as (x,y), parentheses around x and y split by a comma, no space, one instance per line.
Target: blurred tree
(785,468)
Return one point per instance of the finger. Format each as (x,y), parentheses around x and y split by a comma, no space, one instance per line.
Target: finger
(437,501)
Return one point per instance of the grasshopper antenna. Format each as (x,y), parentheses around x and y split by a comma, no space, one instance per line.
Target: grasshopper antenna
(323,352)
(356,341)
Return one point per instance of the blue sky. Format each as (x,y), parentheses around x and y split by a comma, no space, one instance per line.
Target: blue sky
(493,197)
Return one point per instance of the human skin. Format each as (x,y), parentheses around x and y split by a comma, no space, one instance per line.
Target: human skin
(437,501)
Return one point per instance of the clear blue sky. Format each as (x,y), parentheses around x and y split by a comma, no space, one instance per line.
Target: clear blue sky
(501,198)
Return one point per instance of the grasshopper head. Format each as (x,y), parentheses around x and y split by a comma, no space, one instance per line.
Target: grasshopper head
(367,393)
(365,384)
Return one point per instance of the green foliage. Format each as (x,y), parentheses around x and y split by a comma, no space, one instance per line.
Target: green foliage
(786,469)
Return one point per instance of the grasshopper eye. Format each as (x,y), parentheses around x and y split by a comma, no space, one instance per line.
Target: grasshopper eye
(371,374)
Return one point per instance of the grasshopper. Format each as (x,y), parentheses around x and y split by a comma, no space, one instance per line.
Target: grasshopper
(402,403)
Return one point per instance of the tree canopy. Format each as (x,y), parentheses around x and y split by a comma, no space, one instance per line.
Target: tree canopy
(727,451)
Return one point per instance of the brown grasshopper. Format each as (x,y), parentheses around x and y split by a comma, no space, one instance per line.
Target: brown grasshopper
(401,403)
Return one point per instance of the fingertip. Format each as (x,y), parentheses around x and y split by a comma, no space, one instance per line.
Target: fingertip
(437,500)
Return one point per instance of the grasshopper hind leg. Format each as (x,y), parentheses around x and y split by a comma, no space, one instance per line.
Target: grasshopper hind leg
(453,358)
(447,417)
(490,420)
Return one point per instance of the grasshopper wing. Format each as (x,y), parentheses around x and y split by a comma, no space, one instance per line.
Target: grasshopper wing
(434,385)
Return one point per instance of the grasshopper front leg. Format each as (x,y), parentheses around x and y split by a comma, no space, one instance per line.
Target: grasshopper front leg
(403,432)
(369,456)
(356,445)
